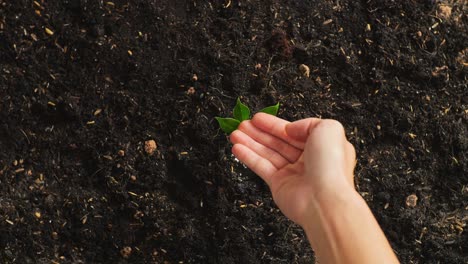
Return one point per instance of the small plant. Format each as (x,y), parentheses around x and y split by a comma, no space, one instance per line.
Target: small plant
(240,113)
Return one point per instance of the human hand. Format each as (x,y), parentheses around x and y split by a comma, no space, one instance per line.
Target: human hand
(299,161)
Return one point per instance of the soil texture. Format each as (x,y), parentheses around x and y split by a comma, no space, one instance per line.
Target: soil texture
(110,153)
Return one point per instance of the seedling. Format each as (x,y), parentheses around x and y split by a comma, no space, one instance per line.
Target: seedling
(241,113)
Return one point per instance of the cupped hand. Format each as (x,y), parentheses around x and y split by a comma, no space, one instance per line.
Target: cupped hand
(299,161)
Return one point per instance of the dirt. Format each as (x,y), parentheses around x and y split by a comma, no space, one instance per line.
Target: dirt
(84,84)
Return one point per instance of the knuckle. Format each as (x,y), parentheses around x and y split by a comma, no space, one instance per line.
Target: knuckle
(243,125)
(333,124)
(235,134)
(256,116)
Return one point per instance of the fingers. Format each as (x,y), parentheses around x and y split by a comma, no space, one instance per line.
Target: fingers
(289,152)
(239,137)
(276,127)
(300,130)
(261,166)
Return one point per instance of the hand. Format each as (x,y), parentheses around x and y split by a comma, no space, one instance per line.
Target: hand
(299,161)
(308,165)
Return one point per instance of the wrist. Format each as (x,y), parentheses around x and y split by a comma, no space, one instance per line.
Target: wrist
(326,200)
(342,229)
(328,212)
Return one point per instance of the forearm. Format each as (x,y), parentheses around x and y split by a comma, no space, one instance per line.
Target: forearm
(342,229)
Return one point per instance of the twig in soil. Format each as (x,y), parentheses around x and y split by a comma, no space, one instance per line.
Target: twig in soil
(228,4)
(270,76)
(96,172)
(56,178)
(221,102)
(269,64)
(220,92)
(26,136)
(287,232)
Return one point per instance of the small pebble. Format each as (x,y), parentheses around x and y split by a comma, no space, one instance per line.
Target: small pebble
(411,200)
(121,153)
(194,78)
(37,214)
(49,32)
(444,11)
(133,178)
(150,147)
(126,252)
(304,70)
(191,91)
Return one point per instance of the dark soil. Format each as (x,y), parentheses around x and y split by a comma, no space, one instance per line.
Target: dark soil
(116,74)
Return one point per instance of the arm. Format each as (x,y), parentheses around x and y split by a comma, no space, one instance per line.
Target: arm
(309,166)
(342,229)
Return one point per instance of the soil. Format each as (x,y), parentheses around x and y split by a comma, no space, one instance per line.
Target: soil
(84,84)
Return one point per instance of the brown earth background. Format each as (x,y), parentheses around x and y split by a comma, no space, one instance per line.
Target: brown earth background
(84,83)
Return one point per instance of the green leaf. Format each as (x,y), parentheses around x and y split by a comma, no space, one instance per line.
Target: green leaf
(228,125)
(241,112)
(272,110)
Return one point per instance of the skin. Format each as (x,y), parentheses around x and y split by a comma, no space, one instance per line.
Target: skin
(309,167)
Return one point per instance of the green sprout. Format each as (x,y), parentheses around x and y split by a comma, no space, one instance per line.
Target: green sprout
(241,113)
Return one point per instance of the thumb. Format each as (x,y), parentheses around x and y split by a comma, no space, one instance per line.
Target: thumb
(299,130)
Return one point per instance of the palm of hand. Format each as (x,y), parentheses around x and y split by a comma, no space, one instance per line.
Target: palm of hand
(289,186)
(277,159)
